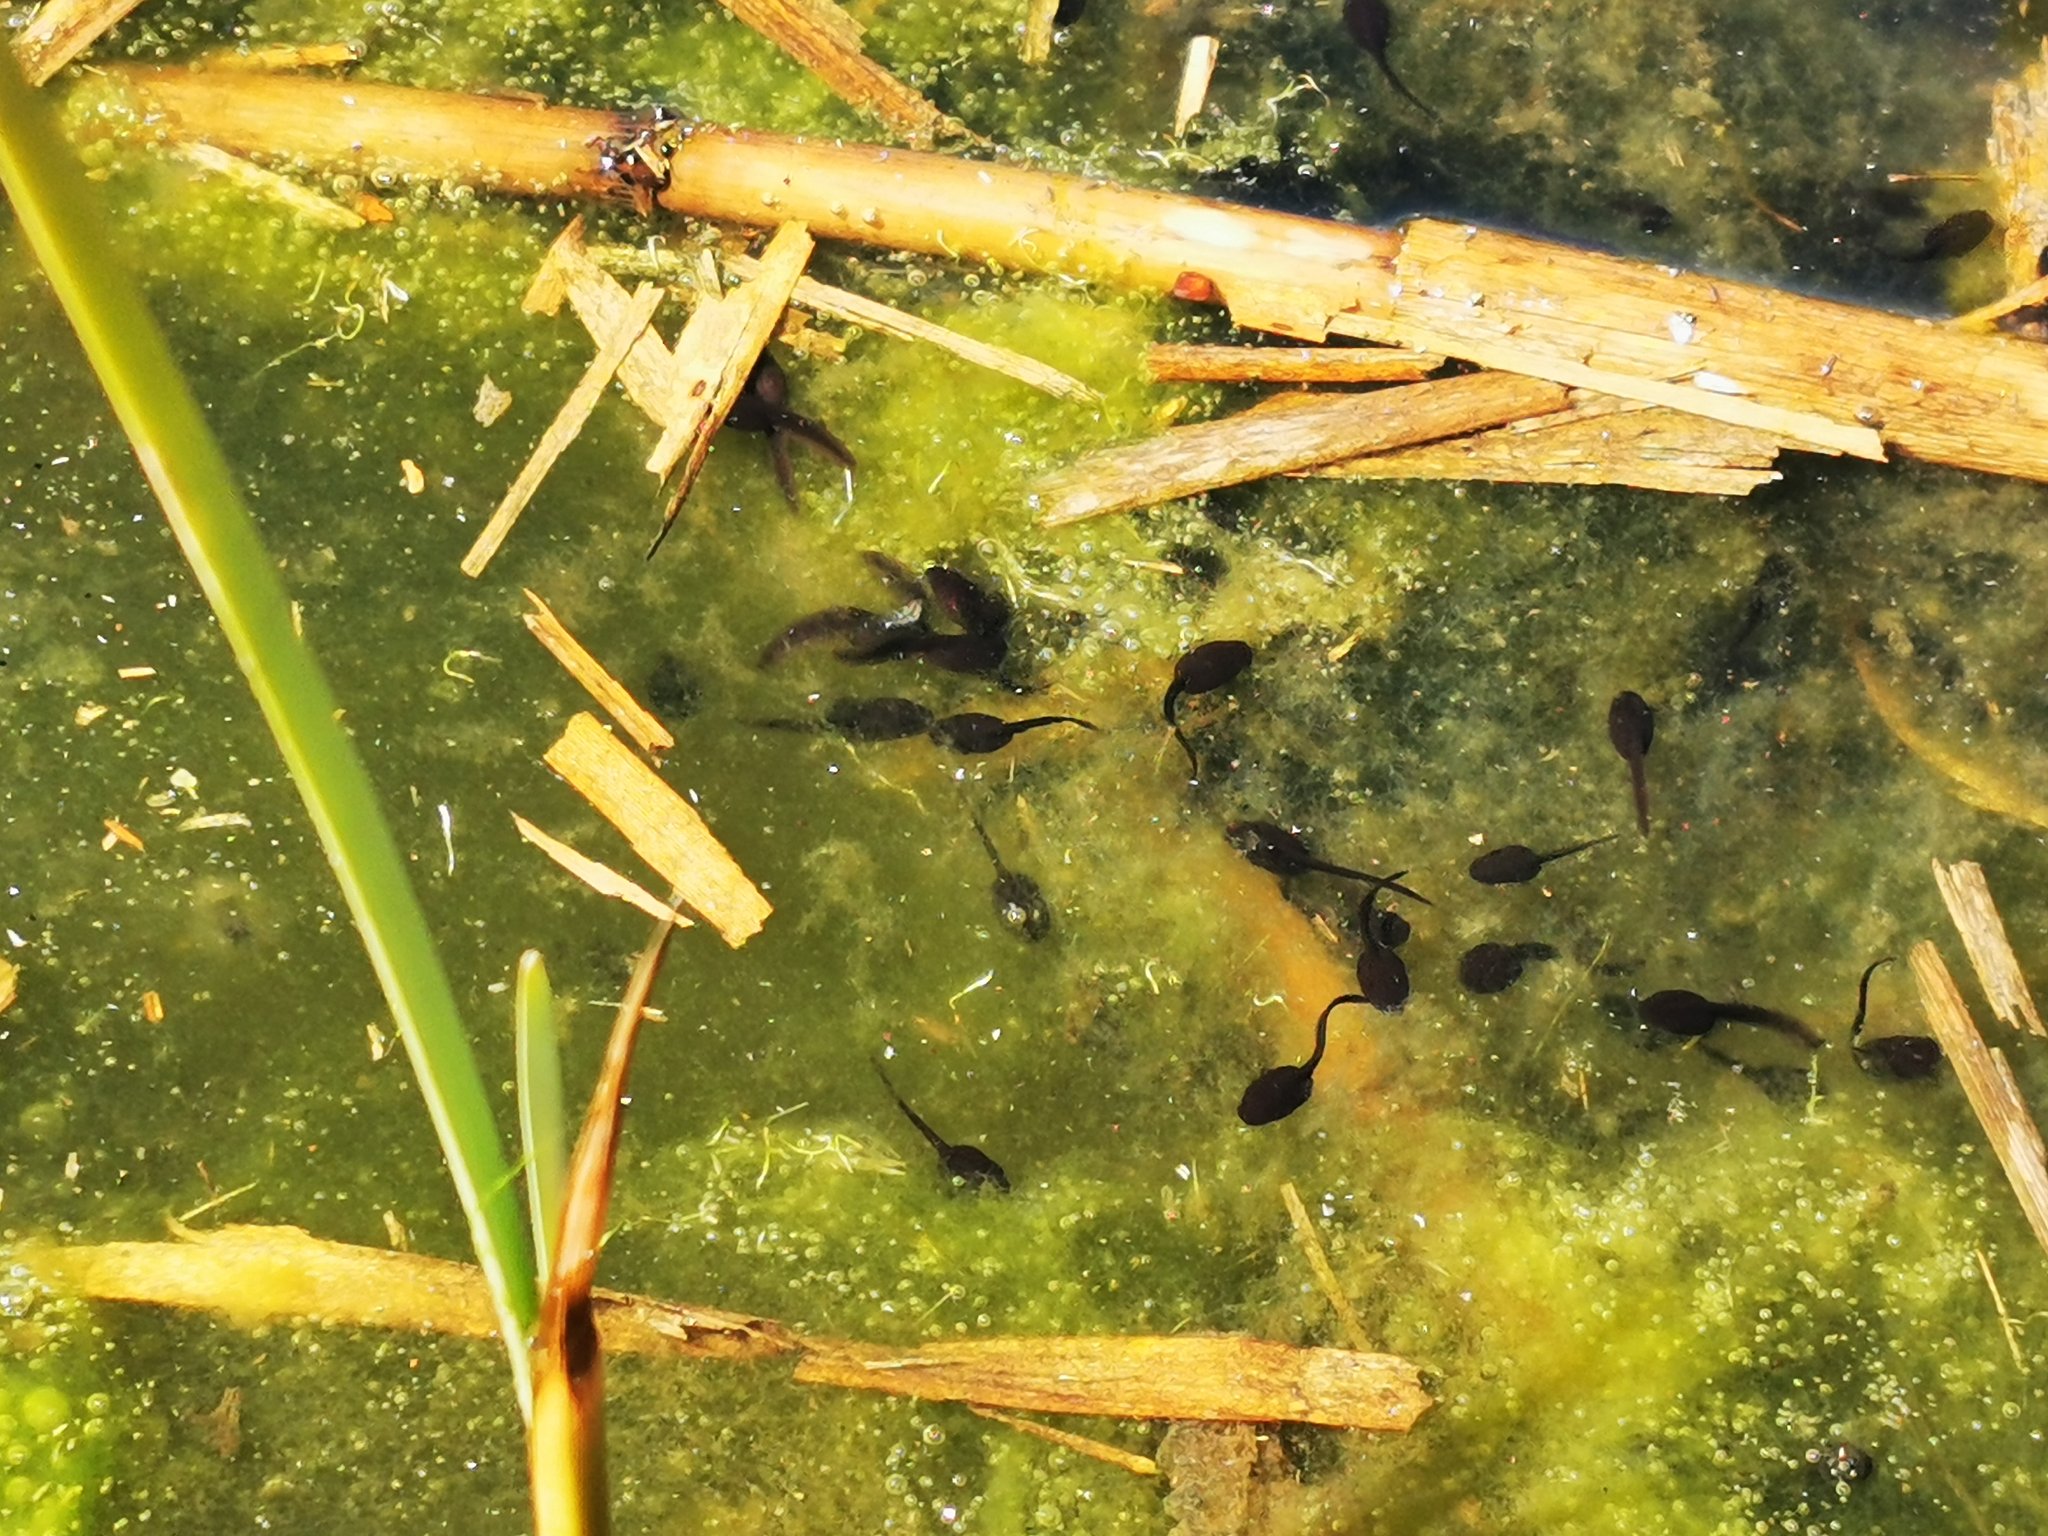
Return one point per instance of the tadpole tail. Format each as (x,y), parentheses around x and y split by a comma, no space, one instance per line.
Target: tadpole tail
(1323,1027)
(1377,882)
(1018,727)
(1173,693)
(1863,998)
(819,437)
(1194,766)
(1639,781)
(1409,96)
(1591,842)
(1770,1018)
(785,471)
(939,1143)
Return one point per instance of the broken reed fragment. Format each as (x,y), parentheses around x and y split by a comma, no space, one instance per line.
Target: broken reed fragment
(1975,781)
(601,878)
(255,1275)
(611,353)
(1201,363)
(1968,899)
(2019,157)
(1989,1085)
(1082,1445)
(869,314)
(61,31)
(315,210)
(1195,72)
(714,355)
(1283,434)
(652,736)
(826,41)
(600,302)
(663,827)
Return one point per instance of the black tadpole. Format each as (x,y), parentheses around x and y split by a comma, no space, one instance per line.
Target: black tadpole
(1278,1092)
(885,719)
(1271,847)
(1020,904)
(1957,235)
(1382,973)
(1679,1012)
(1371,26)
(1209,666)
(969,1166)
(974,734)
(1900,1056)
(1631,725)
(763,406)
(1515,863)
(1493,967)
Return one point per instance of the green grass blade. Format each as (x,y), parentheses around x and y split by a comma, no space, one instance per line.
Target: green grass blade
(543,1122)
(60,215)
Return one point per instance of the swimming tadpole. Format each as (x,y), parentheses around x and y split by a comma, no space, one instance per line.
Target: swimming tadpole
(1492,967)
(1631,726)
(1213,664)
(1371,26)
(1269,846)
(973,734)
(966,1166)
(1901,1056)
(1278,1092)
(1688,1014)
(1957,235)
(763,406)
(1516,864)
(1020,905)
(1382,973)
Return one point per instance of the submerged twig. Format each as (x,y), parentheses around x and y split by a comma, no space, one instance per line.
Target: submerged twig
(1319,1265)
(61,31)
(653,737)
(1970,908)
(1066,1439)
(1989,1085)
(827,42)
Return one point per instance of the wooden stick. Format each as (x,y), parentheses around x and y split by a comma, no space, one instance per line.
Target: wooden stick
(2019,156)
(1987,786)
(826,41)
(320,212)
(869,314)
(1989,1085)
(1100,1450)
(663,827)
(1598,440)
(1289,432)
(610,693)
(716,351)
(1839,377)
(1195,73)
(601,878)
(1971,909)
(1175,360)
(1311,1247)
(568,422)
(601,303)
(61,31)
(265,1274)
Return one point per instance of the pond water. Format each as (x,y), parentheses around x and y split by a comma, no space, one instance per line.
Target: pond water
(1648,1288)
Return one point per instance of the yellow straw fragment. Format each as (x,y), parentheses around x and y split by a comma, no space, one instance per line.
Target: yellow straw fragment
(654,737)
(662,826)
(567,423)
(601,878)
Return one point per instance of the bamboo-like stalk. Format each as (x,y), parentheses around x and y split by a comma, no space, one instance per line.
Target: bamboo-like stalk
(1835,377)
(58,213)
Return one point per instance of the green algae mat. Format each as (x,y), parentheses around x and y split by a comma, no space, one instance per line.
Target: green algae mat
(1732,1287)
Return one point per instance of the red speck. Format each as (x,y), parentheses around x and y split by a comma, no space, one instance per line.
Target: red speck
(1195,288)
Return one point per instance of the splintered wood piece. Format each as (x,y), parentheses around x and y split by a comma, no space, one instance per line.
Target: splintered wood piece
(569,420)
(282,56)
(10,983)
(633,719)
(1195,73)
(714,355)
(1599,440)
(1182,1376)
(1036,45)
(2019,155)
(1986,316)
(662,826)
(826,41)
(253,1275)
(1971,909)
(602,304)
(1100,1450)
(1311,1247)
(1198,363)
(601,878)
(869,314)
(1989,1085)
(318,211)
(1606,323)
(61,31)
(1290,432)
